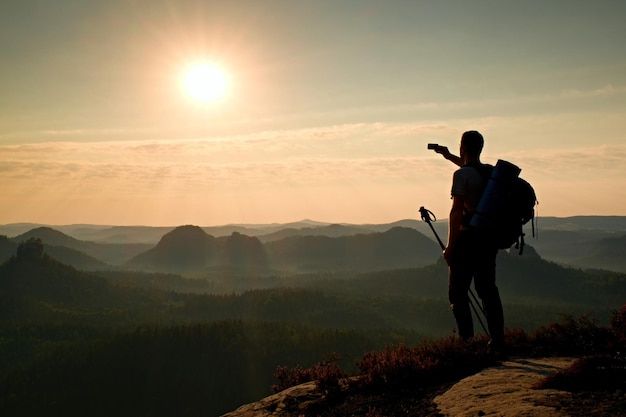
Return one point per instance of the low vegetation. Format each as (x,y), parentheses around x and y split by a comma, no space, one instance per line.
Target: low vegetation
(601,367)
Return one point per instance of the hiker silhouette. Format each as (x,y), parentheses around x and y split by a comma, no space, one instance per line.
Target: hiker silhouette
(470,253)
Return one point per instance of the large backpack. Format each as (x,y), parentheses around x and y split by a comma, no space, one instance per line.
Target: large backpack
(507,204)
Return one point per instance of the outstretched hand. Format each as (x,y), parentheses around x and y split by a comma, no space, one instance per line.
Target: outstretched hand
(443,150)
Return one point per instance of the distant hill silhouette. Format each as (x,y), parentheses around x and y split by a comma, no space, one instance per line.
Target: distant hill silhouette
(75,258)
(606,223)
(580,241)
(585,249)
(92,256)
(528,277)
(184,248)
(56,244)
(51,237)
(242,251)
(333,230)
(396,248)
(34,275)
(607,253)
(118,234)
(521,279)
(189,248)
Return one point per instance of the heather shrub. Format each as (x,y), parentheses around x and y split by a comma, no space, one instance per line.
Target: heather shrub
(290,377)
(326,374)
(592,373)
(328,377)
(570,337)
(429,363)
(601,364)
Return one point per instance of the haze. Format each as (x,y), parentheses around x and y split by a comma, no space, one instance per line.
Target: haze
(329,108)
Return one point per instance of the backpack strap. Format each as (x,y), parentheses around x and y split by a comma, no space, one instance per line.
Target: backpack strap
(485,172)
(483,169)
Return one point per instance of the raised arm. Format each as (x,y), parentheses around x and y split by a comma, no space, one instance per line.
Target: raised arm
(443,150)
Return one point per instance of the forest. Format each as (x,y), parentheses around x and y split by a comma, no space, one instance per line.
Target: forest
(137,342)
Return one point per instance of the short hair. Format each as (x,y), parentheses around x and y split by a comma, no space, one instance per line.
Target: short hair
(473,142)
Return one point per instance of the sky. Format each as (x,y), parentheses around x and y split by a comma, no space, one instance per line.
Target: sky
(327,110)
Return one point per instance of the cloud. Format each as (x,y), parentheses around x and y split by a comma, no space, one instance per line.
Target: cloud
(604,91)
(365,164)
(366,152)
(598,163)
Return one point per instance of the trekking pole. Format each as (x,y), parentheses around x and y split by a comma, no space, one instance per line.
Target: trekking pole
(476,312)
(429,217)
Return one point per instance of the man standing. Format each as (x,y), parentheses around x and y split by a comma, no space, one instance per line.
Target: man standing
(470,253)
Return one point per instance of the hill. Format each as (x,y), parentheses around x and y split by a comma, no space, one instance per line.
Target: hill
(584,248)
(332,230)
(116,234)
(92,256)
(34,275)
(581,223)
(184,248)
(75,258)
(393,249)
(526,281)
(189,248)
(607,253)
(52,236)
(583,241)
(61,252)
(526,277)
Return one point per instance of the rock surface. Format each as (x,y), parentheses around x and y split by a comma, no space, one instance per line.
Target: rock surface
(506,390)
(284,404)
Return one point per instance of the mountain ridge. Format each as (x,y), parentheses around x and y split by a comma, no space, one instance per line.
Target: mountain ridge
(582,241)
(83,231)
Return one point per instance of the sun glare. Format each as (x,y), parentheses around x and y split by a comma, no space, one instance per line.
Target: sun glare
(205,83)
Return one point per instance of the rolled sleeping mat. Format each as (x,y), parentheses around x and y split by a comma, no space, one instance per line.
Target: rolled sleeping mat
(495,195)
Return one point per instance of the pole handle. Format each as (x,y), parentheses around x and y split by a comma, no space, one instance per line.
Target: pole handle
(429,217)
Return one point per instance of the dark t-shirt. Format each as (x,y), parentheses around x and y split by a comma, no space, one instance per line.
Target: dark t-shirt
(467,182)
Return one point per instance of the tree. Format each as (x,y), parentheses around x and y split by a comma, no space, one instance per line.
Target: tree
(30,250)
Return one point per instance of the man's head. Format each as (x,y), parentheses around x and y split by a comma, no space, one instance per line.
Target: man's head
(472,144)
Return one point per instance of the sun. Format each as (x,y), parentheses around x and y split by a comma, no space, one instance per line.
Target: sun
(206,83)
